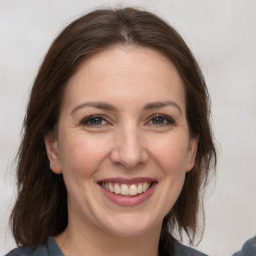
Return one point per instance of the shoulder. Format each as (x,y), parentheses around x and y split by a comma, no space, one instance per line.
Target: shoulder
(21,251)
(24,251)
(183,250)
(249,248)
(50,248)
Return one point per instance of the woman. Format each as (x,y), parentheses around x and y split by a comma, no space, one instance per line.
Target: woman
(117,144)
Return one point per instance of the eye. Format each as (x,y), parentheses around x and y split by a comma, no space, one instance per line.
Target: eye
(94,121)
(161,120)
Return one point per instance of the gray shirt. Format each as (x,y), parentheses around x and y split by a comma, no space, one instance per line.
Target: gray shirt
(248,249)
(52,249)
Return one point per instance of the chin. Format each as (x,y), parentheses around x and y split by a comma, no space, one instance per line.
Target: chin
(131,225)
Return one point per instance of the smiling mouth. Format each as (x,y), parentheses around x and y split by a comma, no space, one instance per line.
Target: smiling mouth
(126,190)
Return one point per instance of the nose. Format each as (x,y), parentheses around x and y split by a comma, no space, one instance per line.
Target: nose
(129,150)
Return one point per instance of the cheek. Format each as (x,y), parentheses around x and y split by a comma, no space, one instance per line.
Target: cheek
(171,154)
(82,156)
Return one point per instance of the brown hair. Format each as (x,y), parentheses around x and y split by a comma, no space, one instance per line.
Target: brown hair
(41,207)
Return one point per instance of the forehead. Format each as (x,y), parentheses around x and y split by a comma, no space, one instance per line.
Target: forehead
(125,72)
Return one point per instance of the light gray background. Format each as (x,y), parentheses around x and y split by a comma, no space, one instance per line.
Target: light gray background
(222,35)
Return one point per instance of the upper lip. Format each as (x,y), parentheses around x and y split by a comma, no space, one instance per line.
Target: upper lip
(127,181)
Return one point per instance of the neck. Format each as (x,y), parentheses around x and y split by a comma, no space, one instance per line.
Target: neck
(79,240)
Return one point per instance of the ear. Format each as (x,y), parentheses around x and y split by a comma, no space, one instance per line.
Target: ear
(192,150)
(51,145)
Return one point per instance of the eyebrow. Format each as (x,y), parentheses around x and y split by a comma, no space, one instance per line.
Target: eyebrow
(160,104)
(106,106)
(99,105)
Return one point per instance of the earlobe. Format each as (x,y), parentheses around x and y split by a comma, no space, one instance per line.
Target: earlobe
(51,145)
(192,150)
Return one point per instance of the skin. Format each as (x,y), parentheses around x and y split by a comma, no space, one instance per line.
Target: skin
(128,140)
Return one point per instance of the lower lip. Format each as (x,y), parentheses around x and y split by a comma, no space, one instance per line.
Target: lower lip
(129,201)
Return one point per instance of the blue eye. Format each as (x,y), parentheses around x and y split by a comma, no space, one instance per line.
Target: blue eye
(95,120)
(161,120)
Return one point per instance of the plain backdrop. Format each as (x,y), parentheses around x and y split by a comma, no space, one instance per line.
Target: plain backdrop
(221,34)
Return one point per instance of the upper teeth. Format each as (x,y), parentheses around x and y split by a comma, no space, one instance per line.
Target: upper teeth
(126,190)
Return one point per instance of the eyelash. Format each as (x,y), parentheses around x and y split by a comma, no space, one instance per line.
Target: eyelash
(167,119)
(99,118)
(86,121)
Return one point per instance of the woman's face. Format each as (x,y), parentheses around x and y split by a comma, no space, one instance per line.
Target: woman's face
(123,143)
